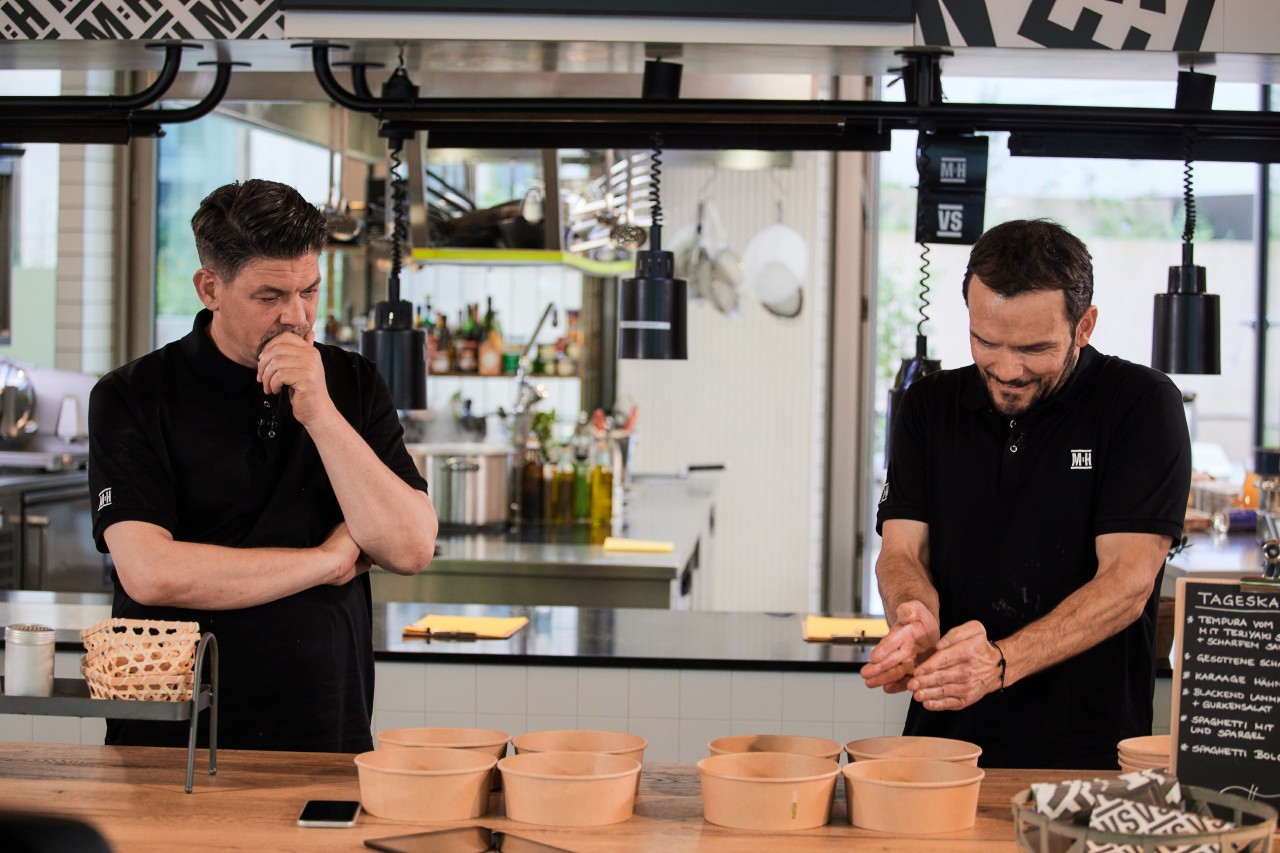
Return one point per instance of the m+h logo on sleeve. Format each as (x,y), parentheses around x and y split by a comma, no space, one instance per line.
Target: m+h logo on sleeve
(1082,460)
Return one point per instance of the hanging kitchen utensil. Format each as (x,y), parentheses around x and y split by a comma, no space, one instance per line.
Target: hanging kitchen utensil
(726,279)
(775,264)
(625,233)
(343,227)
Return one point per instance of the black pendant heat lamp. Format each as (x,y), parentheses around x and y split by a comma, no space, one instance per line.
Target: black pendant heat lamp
(653,306)
(393,344)
(1186,334)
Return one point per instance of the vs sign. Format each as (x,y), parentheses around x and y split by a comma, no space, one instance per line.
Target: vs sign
(949,217)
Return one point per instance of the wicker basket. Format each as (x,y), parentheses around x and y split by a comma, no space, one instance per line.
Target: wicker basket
(140,659)
(1255,823)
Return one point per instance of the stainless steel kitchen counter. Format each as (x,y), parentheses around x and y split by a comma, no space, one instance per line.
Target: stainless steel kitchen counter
(567,564)
(1229,557)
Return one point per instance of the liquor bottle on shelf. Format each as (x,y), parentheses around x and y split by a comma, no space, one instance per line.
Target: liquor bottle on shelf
(442,361)
(464,342)
(490,352)
(533,490)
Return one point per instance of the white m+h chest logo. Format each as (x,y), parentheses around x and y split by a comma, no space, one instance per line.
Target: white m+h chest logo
(1081,459)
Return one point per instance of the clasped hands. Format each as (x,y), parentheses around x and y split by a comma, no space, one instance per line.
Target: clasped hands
(943,673)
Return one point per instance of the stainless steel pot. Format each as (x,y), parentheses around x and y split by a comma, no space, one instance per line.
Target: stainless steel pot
(17,402)
(470,483)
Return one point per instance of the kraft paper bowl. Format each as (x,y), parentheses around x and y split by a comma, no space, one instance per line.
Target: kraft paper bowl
(912,795)
(486,741)
(914,746)
(792,744)
(582,740)
(767,791)
(424,783)
(1152,747)
(569,788)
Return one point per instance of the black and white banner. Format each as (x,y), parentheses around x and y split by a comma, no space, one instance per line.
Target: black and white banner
(141,19)
(1181,25)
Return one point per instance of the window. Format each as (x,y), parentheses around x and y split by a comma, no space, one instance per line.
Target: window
(197,158)
(1129,214)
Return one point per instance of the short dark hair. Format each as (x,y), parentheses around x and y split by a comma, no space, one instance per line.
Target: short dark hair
(1025,255)
(241,222)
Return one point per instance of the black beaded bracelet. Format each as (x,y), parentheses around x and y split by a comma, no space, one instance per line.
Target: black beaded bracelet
(1002,663)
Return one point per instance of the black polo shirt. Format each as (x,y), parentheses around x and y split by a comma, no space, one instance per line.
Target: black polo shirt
(1013,508)
(182,438)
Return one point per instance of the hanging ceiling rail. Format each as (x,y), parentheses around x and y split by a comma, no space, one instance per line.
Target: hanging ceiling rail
(792,124)
(206,105)
(102,120)
(28,104)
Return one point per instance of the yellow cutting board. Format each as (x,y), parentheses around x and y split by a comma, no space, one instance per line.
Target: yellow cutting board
(639,546)
(484,627)
(821,629)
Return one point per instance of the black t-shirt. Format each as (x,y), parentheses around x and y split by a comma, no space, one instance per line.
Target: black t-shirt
(182,438)
(1013,508)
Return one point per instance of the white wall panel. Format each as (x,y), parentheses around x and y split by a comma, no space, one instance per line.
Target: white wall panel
(749,395)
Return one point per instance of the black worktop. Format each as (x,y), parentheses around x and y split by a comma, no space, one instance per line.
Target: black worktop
(555,636)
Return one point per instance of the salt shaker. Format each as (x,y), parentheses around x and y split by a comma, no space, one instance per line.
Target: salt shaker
(28,660)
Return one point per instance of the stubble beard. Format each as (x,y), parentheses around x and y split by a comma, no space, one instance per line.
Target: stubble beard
(1010,410)
(300,331)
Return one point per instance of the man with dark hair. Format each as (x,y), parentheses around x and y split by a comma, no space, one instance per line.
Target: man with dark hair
(1030,502)
(246,477)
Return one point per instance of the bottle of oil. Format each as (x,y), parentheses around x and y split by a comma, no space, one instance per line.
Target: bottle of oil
(602,482)
(582,446)
(562,488)
(533,488)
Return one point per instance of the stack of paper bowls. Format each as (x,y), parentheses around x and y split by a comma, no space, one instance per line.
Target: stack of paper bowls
(912,784)
(483,741)
(1150,752)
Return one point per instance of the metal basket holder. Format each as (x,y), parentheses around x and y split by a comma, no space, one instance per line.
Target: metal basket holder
(71,699)
(1255,824)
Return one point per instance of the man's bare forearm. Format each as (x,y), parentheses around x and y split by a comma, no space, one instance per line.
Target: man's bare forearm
(1103,607)
(391,521)
(156,570)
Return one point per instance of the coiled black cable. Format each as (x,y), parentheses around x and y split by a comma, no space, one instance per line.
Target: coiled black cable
(399,210)
(1188,200)
(922,164)
(655,194)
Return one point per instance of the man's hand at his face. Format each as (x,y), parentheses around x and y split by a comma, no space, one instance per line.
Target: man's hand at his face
(290,361)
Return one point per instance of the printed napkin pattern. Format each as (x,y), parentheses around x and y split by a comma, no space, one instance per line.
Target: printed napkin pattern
(1078,796)
(1111,814)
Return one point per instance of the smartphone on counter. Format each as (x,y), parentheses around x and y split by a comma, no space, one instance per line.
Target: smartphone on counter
(462,839)
(329,813)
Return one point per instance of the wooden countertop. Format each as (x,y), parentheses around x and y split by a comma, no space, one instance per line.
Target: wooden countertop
(134,796)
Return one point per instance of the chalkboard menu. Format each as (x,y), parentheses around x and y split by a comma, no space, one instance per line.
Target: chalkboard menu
(1226,688)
